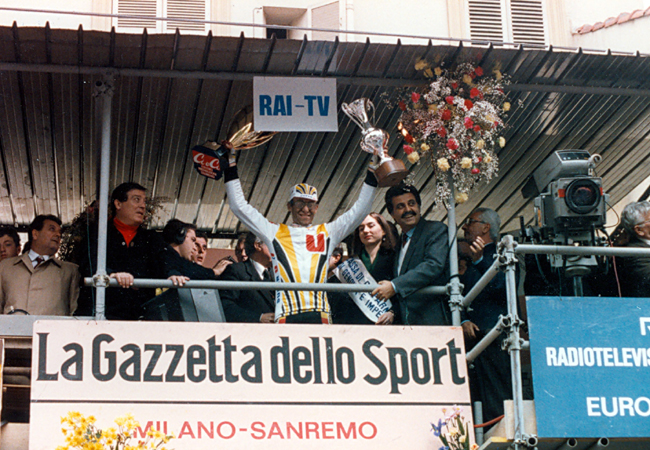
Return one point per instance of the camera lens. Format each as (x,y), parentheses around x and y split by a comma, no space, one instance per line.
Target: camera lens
(583,196)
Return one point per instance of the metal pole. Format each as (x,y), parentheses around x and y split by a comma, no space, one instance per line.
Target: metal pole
(514,342)
(582,251)
(104,94)
(490,337)
(455,289)
(257,285)
(481,283)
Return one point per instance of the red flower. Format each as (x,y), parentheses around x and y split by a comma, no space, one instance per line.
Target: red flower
(468,104)
(402,105)
(478,71)
(415,97)
(472,75)
(469,123)
(442,132)
(475,171)
(480,159)
(454,85)
(477,128)
(473,93)
(452,144)
(495,124)
(408,138)
(446,115)
(480,95)
(450,99)
(408,149)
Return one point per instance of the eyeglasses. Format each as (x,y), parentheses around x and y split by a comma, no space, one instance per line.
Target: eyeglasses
(468,222)
(300,204)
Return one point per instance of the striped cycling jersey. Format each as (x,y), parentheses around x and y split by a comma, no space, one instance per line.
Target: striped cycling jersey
(300,254)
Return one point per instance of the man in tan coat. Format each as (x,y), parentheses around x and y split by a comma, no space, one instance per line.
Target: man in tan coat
(36,282)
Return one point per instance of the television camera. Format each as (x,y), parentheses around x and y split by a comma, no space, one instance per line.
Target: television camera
(570,206)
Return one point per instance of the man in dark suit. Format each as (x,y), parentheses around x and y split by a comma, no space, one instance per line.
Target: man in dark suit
(635,270)
(250,306)
(490,379)
(421,261)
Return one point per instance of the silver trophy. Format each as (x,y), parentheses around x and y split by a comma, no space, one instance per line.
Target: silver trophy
(389,171)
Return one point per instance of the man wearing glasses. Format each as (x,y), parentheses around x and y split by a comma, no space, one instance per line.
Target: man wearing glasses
(635,270)
(301,251)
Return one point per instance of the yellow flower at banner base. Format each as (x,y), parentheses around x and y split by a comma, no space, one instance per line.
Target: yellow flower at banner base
(421,65)
(488,159)
(480,144)
(502,142)
(461,197)
(467,79)
(443,164)
(506,106)
(413,157)
(428,73)
(466,163)
(438,71)
(425,147)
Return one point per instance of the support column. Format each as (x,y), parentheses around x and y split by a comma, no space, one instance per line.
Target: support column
(103,92)
(454,287)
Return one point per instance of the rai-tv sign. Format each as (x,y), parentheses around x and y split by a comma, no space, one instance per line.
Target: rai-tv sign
(591,366)
(233,386)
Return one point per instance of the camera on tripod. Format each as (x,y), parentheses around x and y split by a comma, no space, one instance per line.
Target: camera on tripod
(569,203)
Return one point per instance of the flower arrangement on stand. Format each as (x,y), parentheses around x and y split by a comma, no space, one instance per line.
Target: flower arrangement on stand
(456,122)
(81,433)
(453,431)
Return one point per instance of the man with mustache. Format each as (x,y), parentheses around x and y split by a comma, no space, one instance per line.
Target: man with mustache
(132,252)
(422,261)
(37,282)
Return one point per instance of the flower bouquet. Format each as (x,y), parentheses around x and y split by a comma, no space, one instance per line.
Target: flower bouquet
(453,431)
(456,122)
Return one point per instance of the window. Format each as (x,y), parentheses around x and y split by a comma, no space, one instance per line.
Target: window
(171,9)
(517,21)
(323,15)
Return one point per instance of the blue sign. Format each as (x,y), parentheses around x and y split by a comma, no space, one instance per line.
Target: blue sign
(591,366)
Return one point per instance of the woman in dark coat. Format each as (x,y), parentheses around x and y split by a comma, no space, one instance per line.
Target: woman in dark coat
(374,244)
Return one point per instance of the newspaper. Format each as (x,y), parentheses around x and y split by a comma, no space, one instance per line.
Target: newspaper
(353,271)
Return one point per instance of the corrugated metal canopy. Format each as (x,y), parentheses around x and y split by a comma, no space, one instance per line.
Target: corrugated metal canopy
(174,91)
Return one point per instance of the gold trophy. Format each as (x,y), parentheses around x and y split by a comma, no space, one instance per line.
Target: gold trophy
(389,171)
(240,136)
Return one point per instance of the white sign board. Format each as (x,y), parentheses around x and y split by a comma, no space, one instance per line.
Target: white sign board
(233,386)
(294,104)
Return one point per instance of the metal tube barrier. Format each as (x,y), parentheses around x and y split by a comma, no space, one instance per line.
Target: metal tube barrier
(514,342)
(257,285)
(480,285)
(455,289)
(489,337)
(478,418)
(571,443)
(581,251)
(104,94)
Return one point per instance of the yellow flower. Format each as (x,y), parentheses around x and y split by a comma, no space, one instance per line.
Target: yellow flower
(498,75)
(461,197)
(413,157)
(474,447)
(506,106)
(428,73)
(443,164)
(502,141)
(421,64)
(438,71)
(467,79)
(433,107)
(424,147)
(462,439)
(488,159)
(480,144)
(466,163)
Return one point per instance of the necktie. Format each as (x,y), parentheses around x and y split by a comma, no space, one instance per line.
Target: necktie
(405,239)
(38,261)
(267,275)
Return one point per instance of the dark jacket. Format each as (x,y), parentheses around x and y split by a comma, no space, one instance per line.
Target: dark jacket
(175,264)
(634,272)
(141,258)
(245,306)
(425,264)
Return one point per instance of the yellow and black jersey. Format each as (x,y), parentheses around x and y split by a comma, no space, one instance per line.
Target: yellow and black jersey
(300,254)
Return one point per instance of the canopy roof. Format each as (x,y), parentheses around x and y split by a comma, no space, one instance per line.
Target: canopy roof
(173,91)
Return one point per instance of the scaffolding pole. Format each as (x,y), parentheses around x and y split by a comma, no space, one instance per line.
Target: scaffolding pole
(103,92)
(455,288)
